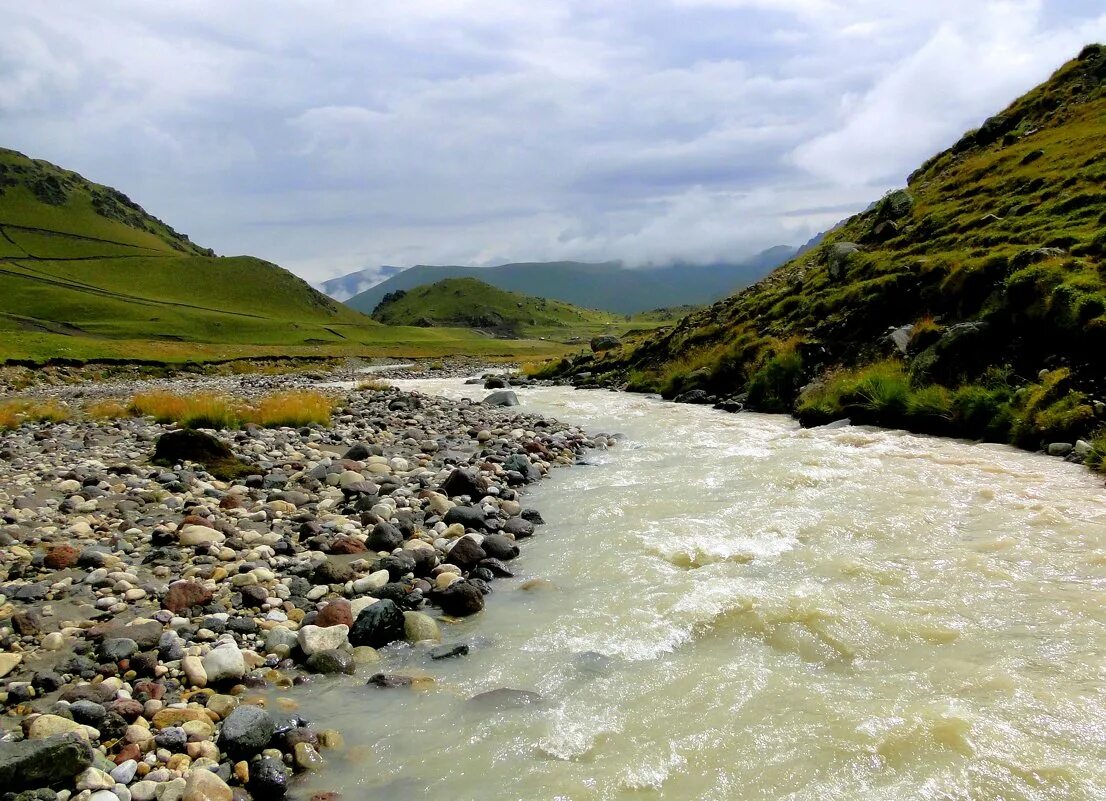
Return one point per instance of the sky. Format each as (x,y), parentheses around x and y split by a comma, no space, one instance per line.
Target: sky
(331,135)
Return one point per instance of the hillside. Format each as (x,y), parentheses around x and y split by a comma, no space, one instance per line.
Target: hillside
(470,303)
(610,286)
(972,302)
(86,273)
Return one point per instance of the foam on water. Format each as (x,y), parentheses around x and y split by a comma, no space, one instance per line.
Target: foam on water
(837,613)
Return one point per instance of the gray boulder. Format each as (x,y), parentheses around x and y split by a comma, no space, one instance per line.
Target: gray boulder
(604,343)
(501,398)
(838,256)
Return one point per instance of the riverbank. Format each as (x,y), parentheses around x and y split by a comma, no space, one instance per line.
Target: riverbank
(144,610)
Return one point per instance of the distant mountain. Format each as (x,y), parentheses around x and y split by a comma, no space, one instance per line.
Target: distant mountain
(610,286)
(345,287)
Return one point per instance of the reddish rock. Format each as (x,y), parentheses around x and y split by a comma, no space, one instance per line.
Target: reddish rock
(347,545)
(150,689)
(129,751)
(231,502)
(61,556)
(185,594)
(335,613)
(195,520)
(328,795)
(128,709)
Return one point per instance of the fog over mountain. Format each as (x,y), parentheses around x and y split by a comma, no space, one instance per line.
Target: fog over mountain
(330,136)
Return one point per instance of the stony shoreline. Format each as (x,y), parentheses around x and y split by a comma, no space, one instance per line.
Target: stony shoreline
(143,609)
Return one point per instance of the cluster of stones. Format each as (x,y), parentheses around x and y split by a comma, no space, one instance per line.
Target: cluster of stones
(142,609)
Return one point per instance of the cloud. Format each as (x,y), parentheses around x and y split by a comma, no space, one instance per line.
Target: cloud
(332,136)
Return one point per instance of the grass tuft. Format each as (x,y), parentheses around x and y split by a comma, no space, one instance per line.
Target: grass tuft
(294,409)
(15,413)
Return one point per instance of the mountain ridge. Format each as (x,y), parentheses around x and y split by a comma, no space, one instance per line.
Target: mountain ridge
(610,286)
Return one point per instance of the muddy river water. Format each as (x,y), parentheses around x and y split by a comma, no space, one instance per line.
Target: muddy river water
(731,607)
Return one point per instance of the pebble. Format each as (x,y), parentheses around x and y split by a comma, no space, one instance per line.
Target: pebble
(202,582)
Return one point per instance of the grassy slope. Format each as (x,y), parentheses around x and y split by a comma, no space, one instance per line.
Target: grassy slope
(471,303)
(85,274)
(959,256)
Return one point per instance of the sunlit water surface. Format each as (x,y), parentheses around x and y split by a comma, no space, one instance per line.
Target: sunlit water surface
(784,614)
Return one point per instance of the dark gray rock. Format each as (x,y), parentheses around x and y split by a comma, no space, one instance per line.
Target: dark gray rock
(464,481)
(88,713)
(331,662)
(38,763)
(498,546)
(468,516)
(518,527)
(117,648)
(466,553)
(246,731)
(268,778)
(378,625)
(460,599)
(501,398)
(384,537)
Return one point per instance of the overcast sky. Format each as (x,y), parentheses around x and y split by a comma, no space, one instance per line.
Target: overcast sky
(331,135)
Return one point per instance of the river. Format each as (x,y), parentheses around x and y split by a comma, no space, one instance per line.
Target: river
(731,607)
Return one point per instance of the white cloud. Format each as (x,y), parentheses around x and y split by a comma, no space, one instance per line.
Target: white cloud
(333,135)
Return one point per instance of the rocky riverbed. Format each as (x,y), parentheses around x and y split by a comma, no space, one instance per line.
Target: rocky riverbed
(148,613)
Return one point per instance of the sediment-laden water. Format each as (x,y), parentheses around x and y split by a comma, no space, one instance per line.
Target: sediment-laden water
(735,608)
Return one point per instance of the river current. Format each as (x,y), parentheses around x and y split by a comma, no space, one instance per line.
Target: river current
(731,607)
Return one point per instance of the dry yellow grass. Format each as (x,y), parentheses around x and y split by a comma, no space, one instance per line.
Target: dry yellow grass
(294,408)
(13,413)
(373,385)
(165,407)
(107,410)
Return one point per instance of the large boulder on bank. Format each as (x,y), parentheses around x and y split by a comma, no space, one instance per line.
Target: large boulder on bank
(186,445)
(501,398)
(40,763)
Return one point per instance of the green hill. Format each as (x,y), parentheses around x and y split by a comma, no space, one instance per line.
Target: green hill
(973,302)
(86,273)
(470,303)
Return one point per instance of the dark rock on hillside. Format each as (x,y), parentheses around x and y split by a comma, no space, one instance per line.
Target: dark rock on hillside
(604,343)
